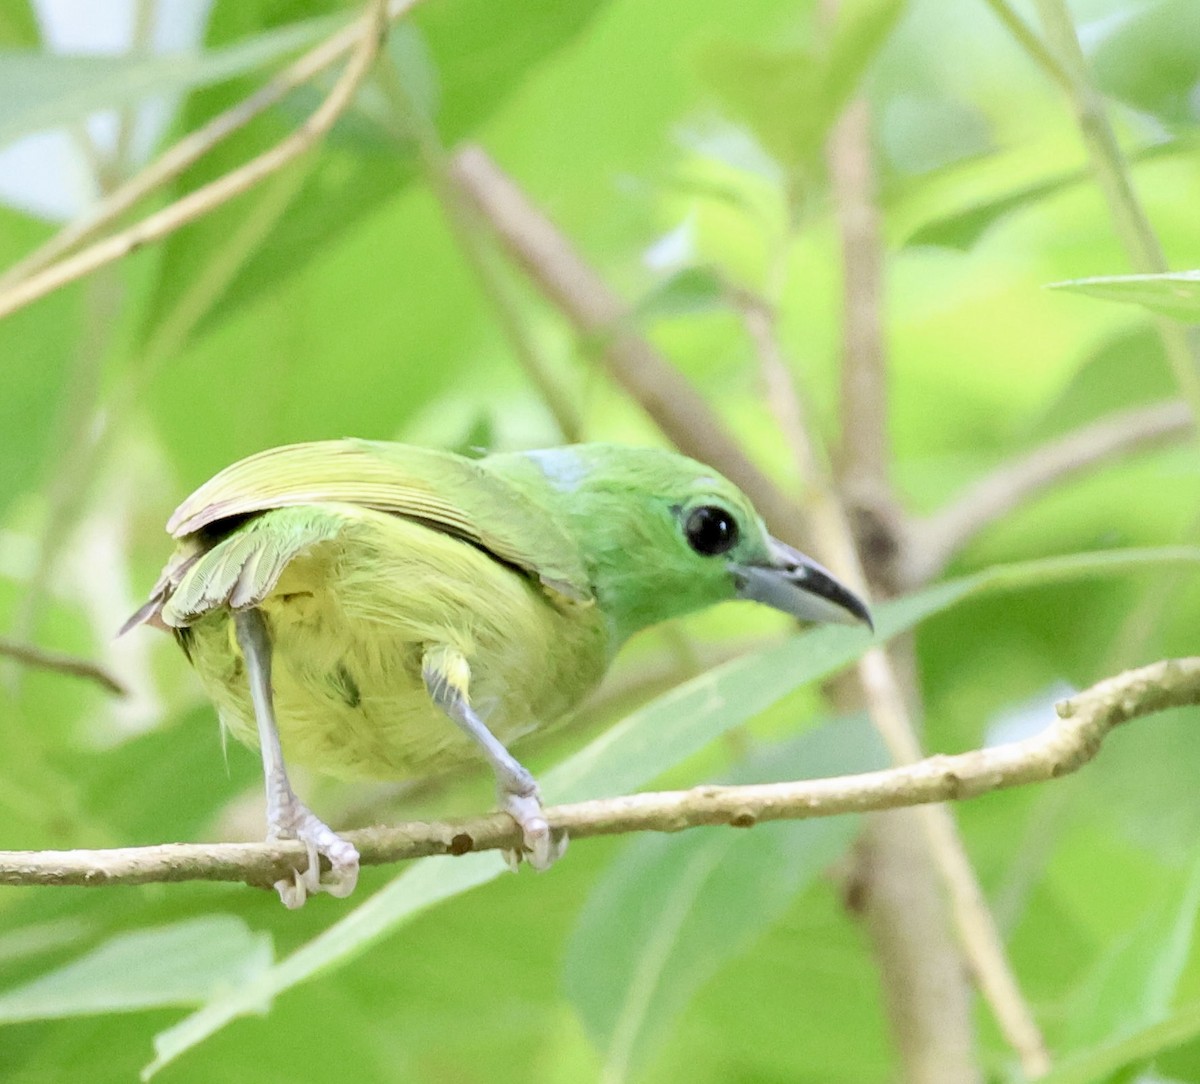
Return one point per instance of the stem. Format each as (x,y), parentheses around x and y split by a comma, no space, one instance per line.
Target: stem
(370,29)
(40,658)
(1030,42)
(1111,172)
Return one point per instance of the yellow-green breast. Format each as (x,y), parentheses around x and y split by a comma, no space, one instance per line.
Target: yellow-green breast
(350,618)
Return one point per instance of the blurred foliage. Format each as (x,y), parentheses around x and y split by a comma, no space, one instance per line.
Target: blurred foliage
(679,145)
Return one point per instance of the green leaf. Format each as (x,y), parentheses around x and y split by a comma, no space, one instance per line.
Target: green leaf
(18,26)
(688,291)
(673,909)
(480,52)
(419,887)
(637,750)
(1175,293)
(1135,981)
(1098,1065)
(1152,59)
(183,964)
(961,229)
(791,97)
(41,90)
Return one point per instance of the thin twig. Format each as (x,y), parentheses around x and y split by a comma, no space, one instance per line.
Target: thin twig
(601,317)
(145,18)
(938,537)
(370,30)
(1030,42)
(1073,739)
(40,658)
(864,452)
(190,149)
(1111,172)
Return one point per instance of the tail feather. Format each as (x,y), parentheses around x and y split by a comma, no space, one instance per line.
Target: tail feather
(241,570)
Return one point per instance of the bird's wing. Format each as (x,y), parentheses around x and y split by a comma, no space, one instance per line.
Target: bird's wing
(444,491)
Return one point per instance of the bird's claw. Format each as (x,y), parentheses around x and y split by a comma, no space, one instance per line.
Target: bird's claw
(542,846)
(302,824)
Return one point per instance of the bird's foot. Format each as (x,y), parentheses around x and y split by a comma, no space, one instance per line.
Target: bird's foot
(297,821)
(542,846)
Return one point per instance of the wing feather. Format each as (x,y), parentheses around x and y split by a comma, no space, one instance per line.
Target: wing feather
(445,491)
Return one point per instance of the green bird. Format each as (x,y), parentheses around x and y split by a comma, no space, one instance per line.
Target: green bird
(381,610)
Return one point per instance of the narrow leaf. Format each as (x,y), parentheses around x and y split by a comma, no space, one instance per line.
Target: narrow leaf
(420,886)
(1100,1064)
(41,90)
(183,964)
(688,291)
(673,909)
(1175,293)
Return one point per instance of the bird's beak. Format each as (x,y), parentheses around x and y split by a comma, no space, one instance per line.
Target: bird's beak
(799,586)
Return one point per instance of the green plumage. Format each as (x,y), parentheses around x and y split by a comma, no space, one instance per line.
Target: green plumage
(390,593)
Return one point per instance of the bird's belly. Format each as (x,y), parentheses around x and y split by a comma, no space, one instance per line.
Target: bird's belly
(350,621)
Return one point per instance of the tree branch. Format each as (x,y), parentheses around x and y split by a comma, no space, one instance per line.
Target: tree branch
(366,39)
(903,855)
(40,658)
(1066,744)
(935,539)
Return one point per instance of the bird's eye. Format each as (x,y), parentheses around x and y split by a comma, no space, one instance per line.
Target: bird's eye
(711,530)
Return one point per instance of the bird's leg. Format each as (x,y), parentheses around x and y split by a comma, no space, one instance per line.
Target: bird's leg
(287,816)
(447,676)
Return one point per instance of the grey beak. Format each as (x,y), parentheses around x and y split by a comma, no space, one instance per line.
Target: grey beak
(799,586)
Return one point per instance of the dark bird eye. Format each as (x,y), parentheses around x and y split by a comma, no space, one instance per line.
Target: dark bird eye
(711,530)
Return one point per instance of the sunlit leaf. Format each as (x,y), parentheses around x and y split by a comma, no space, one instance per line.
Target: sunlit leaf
(1174,293)
(478,51)
(17,24)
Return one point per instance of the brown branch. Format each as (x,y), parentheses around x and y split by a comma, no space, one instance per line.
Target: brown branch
(601,317)
(925,983)
(1065,745)
(40,658)
(887,705)
(937,538)
(367,39)
(864,452)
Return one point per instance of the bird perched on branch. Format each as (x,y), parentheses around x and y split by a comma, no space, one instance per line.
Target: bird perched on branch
(379,610)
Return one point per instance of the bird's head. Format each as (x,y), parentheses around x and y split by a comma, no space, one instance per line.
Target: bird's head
(663,535)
